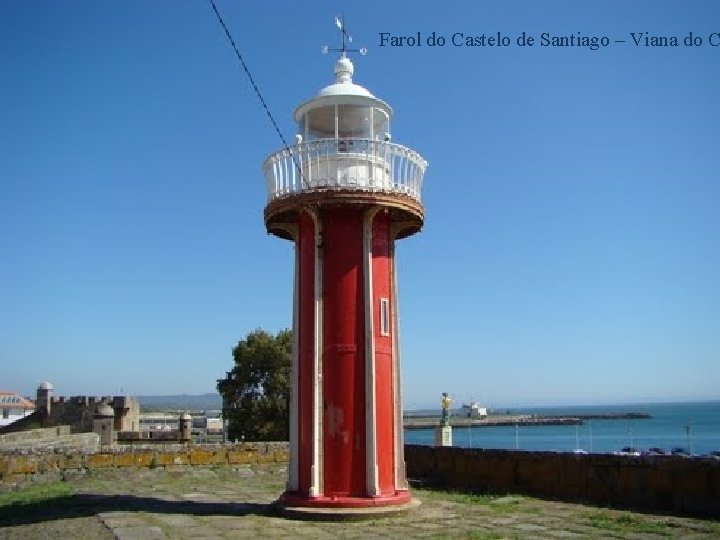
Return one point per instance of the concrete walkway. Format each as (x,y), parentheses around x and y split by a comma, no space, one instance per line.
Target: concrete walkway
(224,502)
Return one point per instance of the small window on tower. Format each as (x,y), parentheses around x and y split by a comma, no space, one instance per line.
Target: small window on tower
(384,317)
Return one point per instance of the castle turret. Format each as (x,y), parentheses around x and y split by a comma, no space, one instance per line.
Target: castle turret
(44,397)
(185,427)
(103,421)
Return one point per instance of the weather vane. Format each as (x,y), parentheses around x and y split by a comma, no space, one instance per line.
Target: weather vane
(346,39)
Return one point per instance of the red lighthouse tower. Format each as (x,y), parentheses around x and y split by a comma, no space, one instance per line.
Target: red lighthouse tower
(343,194)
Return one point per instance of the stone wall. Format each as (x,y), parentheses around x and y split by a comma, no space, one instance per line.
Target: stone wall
(666,483)
(660,483)
(37,465)
(41,434)
(54,439)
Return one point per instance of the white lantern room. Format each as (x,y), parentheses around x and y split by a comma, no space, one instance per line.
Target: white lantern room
(343,143)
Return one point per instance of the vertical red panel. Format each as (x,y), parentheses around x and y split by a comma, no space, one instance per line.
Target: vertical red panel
(343,435)
(384,413)
(306,338)
(343,354)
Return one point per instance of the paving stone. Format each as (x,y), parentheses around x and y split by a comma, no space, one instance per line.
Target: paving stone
(506,500)
(583,530)
(244,533)
(138,533)
(202,497)
(176,520)
(202,531)
(113,521)
(115,514)
(203,473)
(502,522)
(565,534)
(227,522)
(643,536)
(529,527)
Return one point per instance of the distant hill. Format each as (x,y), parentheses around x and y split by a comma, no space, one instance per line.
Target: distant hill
(189,402)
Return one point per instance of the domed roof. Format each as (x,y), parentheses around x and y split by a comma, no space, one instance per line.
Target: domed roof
(185,416)
(342,91)
(343,85)
(104,411)
(45,386)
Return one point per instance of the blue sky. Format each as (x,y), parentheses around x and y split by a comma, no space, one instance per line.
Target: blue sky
(571,249)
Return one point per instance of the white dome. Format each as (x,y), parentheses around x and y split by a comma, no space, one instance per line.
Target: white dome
(45,386)
(345,89)
(343,85)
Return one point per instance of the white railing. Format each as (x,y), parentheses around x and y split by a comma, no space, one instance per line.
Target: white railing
(355,164)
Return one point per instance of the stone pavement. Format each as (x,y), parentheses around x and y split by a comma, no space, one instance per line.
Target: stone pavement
(227,502)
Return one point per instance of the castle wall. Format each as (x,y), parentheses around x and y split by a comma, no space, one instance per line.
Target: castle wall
(44,440)
(667,483)
(78,412)
(24,466)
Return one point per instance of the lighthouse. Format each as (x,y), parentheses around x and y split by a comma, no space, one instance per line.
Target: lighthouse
(344,194)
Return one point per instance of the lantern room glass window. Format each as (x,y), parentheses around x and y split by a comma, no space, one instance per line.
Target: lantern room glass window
(344,122)
(381,125)
(354,122)
(320,123)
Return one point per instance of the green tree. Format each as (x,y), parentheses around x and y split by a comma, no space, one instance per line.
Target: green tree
(256,392)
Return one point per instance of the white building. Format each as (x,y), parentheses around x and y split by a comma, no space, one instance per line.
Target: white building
(14,407)
(474,410)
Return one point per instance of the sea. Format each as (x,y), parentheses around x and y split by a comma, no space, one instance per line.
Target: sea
(693,426)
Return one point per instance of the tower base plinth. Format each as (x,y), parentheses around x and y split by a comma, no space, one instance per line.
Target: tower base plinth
(293,505)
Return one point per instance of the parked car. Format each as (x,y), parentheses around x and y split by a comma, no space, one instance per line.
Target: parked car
(655,451)
(629,451)
(680,452)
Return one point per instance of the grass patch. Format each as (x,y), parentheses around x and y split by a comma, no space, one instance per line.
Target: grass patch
(39,502)
(36,493)
(455,496)
(497,505)
(482,535)
(626,523)
(470,535)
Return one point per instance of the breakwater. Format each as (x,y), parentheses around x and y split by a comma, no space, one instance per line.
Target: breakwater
(614,416)
(426,422)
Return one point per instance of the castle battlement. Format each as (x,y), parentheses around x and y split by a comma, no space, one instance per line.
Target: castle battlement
(79,411)
(117,402)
